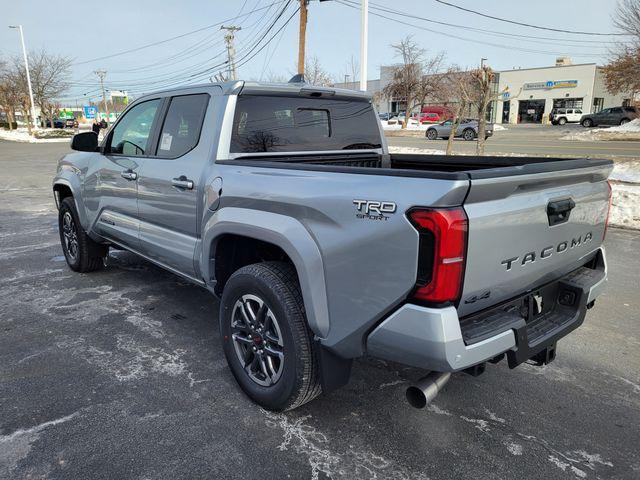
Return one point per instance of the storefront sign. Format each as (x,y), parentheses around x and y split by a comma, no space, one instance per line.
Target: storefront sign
(90,111)
(550,85)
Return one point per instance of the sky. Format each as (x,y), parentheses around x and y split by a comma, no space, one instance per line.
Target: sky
(86,31)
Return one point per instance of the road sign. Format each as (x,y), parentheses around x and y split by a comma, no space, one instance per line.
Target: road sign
(90,111)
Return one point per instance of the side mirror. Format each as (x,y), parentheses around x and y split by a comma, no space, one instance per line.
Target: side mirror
(85,142)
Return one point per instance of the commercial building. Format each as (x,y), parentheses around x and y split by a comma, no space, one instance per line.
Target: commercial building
(529,94)
(525,95)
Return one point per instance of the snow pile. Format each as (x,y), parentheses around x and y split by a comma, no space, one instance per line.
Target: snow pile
(22,135)
(625,207)
(632,126)
(628,131)
(628,172)
(499,128)
(395,125)
(414,150)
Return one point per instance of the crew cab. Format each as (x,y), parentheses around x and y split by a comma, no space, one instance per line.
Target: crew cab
(283,201)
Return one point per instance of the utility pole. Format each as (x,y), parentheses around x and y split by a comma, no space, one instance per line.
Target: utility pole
(302,37)
(26,66)
(231,50)
(364,45)
(101,74)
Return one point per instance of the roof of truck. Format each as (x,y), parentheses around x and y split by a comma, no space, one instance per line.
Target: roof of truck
(247,87)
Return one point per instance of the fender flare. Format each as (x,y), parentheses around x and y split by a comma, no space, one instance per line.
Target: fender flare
(71,181)
(288,234)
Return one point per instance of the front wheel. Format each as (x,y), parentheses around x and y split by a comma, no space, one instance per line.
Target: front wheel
(432,134)
(266,340)
(587,123)
(80,251)
(562,121)
(469,134)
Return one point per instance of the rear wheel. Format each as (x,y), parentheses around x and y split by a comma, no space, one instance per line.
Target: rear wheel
(469,134)
(266,340)
(624,121)
(432,134)
(80,251)
(587,123)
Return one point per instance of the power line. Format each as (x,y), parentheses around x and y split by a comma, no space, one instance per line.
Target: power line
(377,6)
(160,42)
(524,24)
(475,41)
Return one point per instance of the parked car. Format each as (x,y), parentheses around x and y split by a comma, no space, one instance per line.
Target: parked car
(385,116)
(62,123)
(560,116)
(468,130)
(57,123)
(610,116)
(440,263)
(423,117)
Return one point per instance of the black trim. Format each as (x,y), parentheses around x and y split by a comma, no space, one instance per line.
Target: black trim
(335,371)
(284,164)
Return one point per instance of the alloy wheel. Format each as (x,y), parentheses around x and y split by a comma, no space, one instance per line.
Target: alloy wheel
(257,340)
(70,235)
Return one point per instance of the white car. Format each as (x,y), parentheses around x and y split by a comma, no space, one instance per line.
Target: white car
(566,115)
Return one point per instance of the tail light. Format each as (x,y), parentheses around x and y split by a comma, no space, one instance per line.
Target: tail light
(606,222)
(443,244)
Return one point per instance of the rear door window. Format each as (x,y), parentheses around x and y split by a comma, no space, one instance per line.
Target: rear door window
(181,128)
(289,124)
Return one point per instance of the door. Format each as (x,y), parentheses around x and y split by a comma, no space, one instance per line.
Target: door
(111,191)
(614,117)
(169,186)
(445,128)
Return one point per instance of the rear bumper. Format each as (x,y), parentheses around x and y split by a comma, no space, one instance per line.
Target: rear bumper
(436,339)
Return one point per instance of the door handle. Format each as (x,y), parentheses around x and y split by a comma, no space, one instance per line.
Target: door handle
(129,175)
(182,182)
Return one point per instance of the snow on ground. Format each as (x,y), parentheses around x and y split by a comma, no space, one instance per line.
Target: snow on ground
(21,135)
(499,128)
(413,125)
(628,131)
(625,207)
(628,172)
(414,150)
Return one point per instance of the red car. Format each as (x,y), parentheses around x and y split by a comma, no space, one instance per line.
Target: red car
(427,117)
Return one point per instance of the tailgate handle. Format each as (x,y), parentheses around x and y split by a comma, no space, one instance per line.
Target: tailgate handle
(558,211)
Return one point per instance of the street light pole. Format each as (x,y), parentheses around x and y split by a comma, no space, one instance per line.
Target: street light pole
(364,45)
(26,66)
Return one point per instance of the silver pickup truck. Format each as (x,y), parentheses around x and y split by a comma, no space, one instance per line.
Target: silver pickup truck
(284,201)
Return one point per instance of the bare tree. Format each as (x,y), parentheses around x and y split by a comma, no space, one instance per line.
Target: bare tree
(414,80)
(622,73)
(315,74)
(14,93)
(454,88)
(49,79)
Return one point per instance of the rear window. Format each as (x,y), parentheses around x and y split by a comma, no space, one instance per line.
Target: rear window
(289,124)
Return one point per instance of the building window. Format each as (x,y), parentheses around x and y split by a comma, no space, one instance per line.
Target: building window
(626,102)
(567,103)
(598,104)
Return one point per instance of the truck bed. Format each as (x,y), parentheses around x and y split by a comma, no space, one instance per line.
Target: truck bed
(459,167)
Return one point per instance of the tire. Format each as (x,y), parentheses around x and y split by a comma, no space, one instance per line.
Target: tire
(562,121)
(82,253)
(290,376)
(624,121)
(432,134)
(587,123)
(469,135)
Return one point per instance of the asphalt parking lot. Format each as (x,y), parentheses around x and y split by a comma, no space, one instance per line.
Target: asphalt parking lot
(120,374)
(532,140)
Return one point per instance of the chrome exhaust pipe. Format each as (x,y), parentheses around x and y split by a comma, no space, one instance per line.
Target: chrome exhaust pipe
(426,389)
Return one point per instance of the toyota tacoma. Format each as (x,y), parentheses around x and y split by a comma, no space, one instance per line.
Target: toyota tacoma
(284,201)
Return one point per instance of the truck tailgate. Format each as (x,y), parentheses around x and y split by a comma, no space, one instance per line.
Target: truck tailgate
(529,226)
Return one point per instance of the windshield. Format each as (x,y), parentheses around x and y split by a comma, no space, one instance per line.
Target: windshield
(290,124)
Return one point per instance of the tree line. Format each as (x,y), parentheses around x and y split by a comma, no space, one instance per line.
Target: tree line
(50,78)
